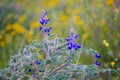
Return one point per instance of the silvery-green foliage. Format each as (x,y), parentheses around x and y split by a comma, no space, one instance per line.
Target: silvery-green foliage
(20,64)
(53,58)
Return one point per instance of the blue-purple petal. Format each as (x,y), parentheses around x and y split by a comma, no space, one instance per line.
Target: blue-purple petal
(67,39)
(69,45)
(97,56)
(40,28)
(97,63)
(76,36)
(41,21)
(37,62)
(30,70)
(78,46)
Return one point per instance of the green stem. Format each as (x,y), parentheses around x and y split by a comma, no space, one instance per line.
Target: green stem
(80,52)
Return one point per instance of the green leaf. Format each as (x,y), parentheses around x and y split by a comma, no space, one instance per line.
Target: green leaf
(48,61)
(47,79)
(60,76)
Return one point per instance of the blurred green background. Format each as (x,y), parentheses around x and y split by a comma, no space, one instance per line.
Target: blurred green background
(97,22)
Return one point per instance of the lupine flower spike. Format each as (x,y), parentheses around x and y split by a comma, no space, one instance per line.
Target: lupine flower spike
(43,21)
(71,42)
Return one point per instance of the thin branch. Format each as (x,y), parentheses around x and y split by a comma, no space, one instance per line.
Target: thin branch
(47,56)
(57,69)
(36,69)
(80,51)
(23,41)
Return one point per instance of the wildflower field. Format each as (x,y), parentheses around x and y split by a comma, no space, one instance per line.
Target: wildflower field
(88,26)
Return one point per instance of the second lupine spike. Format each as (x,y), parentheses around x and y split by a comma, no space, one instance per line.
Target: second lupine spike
(71,42)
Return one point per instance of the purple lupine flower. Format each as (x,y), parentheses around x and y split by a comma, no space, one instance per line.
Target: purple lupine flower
(43,20)
(47,29)
(30,70)
(40,28)
(96,55)
(40,71)
(37,62)
(25,51)
(72,41)
(97,63)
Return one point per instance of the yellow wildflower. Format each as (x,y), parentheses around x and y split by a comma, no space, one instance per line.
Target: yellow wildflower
(8,39)
(52,3)
(105,43)
(3,31)
(76,11)
(110,2)
(70,2)
(18,28)
(106,29)
(76,17)
(1,36)
(2,44)
(41,56)
(8,27)
(34,24)
(102,22)
(63,17)
(77,20)
(29,34)
(13,33)
(37,10)
(112,63)
(22,19)
(85,36)
(79,23)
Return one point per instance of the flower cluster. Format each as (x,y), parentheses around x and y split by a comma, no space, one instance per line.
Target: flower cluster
(43,21)
(71,42)
(97,56)
(37,62)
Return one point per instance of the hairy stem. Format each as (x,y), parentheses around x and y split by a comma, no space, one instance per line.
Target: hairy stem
(47,55)
(57,69)
(36,69)
(23,41)
(80,52)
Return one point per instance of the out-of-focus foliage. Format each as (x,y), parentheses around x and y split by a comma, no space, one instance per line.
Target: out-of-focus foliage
(97,22)
(60,60)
